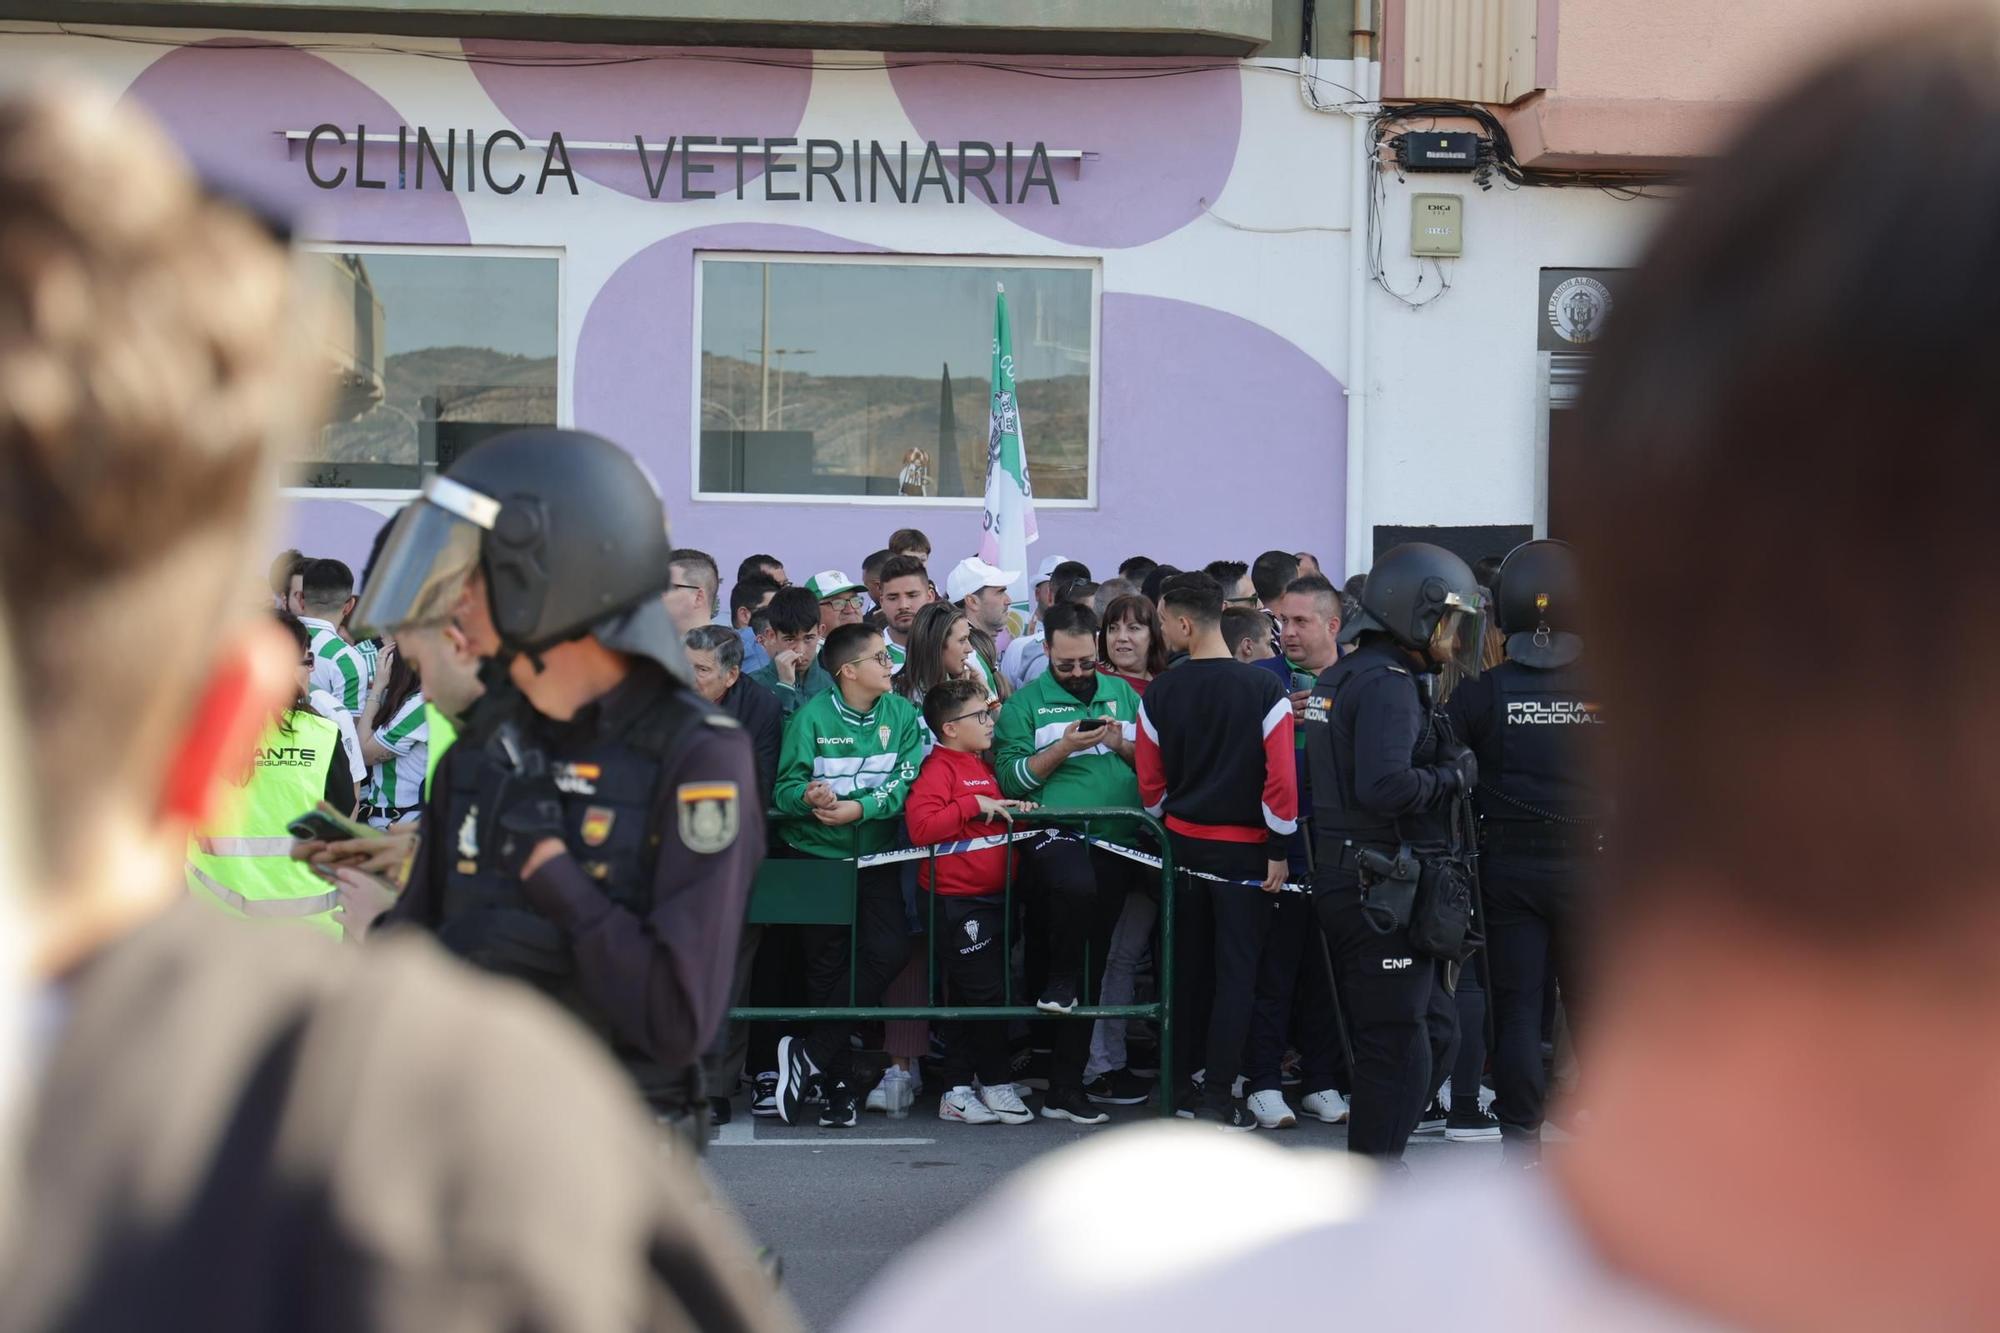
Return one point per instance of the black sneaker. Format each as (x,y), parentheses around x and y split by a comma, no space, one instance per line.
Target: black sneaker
(843,1109)
(1235,1120)
(797,1077)
(1070,1104)
(1433,1118)
(1142,1058)
(719,1111)
(1471,1125)
(1031,1069)
(765,1103)
(1190,1101)
(1120,1087)
(1058,997)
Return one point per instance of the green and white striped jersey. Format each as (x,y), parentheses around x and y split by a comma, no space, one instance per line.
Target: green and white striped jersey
(370,652)
(399,780)
(337,668)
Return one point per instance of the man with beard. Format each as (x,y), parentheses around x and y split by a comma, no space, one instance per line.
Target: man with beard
(904,590)
(1065,741)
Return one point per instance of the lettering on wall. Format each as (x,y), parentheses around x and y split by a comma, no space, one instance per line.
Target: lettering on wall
(847,171)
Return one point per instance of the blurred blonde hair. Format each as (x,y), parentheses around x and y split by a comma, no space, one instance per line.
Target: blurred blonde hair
(152,351)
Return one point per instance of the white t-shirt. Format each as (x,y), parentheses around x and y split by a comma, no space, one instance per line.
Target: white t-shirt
(1025,658)
(1181,1226)
(330,708)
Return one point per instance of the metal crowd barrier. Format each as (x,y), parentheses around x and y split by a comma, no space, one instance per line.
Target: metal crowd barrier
(819,891)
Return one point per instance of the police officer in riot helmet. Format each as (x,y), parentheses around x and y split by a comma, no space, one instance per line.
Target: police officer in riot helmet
(1390,790)
(1534,726)
(594,831)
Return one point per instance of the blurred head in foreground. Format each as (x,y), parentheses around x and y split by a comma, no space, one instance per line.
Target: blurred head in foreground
(1799,927)
(153,355)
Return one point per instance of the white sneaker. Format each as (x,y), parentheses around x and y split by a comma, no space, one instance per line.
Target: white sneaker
(1005,1104)
(1270,1109)
(878,1099)
(1329,1107)
(963,1105)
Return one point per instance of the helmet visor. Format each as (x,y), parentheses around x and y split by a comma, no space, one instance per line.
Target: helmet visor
(431,551)
(1459,641)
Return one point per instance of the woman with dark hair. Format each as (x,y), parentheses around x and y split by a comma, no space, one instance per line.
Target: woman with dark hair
(1129,643)
(941,648)
(241,859)
(395,741)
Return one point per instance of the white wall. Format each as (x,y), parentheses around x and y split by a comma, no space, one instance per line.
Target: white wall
(1453,421)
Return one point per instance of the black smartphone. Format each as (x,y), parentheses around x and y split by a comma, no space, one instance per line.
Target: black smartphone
(325,826)
(1093,724)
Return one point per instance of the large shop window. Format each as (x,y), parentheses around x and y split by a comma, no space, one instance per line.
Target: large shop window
(432,352)
(867,378)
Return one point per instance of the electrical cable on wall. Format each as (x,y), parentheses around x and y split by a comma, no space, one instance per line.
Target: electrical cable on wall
(1111,70)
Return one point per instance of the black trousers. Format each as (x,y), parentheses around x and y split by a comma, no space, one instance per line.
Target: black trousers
(1079,890)
(1399,1018)
(881,945)
(971,962)
(1220,931)
(1293,992)
(1465,1063)
(1530,937)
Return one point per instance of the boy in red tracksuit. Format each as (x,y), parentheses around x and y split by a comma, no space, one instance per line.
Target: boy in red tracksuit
(955,799)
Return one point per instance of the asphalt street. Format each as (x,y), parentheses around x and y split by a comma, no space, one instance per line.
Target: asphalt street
(838,1205)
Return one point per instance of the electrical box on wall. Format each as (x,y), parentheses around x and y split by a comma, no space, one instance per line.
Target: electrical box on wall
(1437,227)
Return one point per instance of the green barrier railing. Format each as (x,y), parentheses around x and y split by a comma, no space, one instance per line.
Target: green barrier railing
(821,892)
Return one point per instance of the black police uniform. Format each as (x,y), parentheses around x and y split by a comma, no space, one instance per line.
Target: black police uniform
(659,813)
(1533,730)
(1376,750)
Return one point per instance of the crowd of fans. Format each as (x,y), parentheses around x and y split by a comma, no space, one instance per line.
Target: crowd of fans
(892,713)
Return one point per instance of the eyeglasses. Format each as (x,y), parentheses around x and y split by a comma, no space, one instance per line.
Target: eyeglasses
(1250,602)
(1073,666)
(688,587)
(981,715)
(842,603)
(881,657)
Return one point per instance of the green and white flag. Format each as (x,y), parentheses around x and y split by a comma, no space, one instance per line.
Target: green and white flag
(1009,524)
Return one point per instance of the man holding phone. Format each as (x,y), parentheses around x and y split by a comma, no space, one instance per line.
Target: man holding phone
(1065,741)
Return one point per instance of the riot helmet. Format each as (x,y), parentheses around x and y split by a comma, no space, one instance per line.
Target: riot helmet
(1426,600)
(1536,597)
(568,531)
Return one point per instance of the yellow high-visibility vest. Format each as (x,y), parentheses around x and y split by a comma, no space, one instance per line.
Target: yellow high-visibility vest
(441,737)
(242,860)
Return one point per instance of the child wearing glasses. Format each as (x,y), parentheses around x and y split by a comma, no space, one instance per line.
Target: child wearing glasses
(955,800)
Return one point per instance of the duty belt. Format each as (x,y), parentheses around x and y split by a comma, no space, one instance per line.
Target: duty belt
(1535,838)
(1341,856)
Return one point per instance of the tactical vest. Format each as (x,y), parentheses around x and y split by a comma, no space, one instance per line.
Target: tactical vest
(1547,729)
(609,788)
(1337,817)
(242,859)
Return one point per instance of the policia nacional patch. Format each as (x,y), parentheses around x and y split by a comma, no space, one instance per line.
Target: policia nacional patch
(709,816)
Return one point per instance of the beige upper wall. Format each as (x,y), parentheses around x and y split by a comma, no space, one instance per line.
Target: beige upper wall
(1618,84)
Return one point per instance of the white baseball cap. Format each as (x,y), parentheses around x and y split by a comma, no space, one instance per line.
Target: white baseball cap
(1048,569)
(971,574)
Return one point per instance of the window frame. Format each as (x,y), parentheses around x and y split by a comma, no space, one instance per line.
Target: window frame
(1092,264)
(564,408)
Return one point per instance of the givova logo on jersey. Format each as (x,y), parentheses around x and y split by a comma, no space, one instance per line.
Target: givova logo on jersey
(1552,713)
